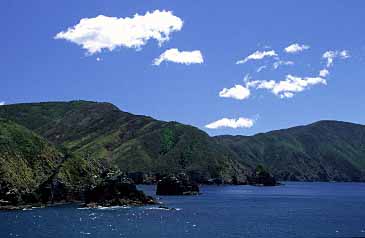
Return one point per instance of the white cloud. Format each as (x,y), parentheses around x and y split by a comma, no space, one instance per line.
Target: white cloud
(295,48)
(266,84)
(2,103)
(324,73)
(181,57)
(231,123)
(287,87)
(258,55)
(237,92)
(247,78)
(287,95)
(261,68)
(331,55)
(103,32)
(98,59)
(344,54)
(278,63)
(293,84)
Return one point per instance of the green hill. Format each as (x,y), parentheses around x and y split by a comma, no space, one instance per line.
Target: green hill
(322,151)
(26,160)
(101,132)
(99,137)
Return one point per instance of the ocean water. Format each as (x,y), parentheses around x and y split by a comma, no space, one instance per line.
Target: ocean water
(293,210)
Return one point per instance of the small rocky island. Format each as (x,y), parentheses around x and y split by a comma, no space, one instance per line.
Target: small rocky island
(118,191)
(261,177)
(177,185)
(182,184)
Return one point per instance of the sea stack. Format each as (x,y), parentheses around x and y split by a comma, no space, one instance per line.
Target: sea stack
(177,185)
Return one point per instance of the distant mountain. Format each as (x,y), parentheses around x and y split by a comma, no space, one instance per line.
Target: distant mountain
(99,137)
(322,151)
(101,132)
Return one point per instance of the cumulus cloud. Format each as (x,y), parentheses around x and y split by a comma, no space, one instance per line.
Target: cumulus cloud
(324,73)
(258,55)
(2,103)
(181,57)
(330,55)
(238,92)
(103,32)
(295,48)
(231,123)
(279,63)
(289,86)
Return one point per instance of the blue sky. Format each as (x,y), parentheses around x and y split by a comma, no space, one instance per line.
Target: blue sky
(34,66)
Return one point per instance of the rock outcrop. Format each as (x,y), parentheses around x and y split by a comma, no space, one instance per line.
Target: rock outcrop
(177,185)
(117,191)
(262,178)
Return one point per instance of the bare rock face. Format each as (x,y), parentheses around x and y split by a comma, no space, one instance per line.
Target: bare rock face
(177,185)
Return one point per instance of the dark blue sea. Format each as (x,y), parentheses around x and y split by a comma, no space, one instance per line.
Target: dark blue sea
(292,210)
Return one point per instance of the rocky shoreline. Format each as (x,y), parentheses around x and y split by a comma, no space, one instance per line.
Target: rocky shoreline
(119,190)
(116,191)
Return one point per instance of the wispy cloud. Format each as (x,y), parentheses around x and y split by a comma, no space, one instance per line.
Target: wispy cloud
(331,55)
(103,32)
(247,78)
(291,84)
(279,63)
(238,92)
(261,68)
(295,48)
(288,87)
(181,57)
(231,123)
(258,55)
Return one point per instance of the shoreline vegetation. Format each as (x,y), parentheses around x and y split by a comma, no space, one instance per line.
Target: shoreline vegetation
(95,154)
(113,191)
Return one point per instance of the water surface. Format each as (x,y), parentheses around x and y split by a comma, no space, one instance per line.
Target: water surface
(292,210)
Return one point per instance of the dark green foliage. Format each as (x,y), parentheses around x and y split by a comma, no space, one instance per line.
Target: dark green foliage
(262,177)
(77,172)
(259,169)
(168,140)
(101,133)
(96,136)
(26,160)
(30,168)
(116,192)
(177,185)
(323,151)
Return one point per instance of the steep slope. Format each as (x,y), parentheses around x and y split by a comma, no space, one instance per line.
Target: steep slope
(33,172)
(130,143)
(26,160)
(322,151)
(99,136)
